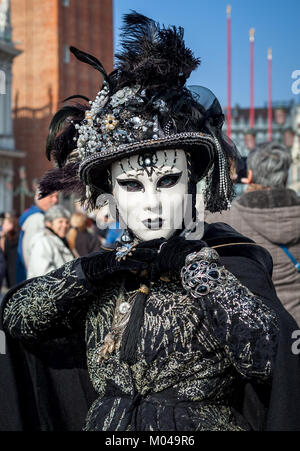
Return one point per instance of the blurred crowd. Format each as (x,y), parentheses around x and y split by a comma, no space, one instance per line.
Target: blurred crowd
(268,212)
(47,235)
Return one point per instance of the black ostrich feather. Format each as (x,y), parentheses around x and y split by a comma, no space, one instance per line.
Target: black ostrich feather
(60,144)
(62,179)
(60,141)
(153,57)
(92,61)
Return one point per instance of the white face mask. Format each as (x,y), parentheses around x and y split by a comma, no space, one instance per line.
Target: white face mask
(150,191)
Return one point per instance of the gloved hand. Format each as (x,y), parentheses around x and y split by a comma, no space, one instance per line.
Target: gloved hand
(172,254)
(101,264)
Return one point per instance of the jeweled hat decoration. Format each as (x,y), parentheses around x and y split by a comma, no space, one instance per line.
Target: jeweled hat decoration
(143,106)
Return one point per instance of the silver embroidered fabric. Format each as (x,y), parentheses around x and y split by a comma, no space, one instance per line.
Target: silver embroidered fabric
(192,351)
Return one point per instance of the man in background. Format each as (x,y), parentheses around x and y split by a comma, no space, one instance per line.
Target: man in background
(31,222)
(268,213)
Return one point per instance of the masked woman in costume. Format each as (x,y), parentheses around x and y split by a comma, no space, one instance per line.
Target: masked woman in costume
(176,324)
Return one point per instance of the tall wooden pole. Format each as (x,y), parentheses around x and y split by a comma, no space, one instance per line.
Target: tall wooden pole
(270,112)
(251,36)
(229,71)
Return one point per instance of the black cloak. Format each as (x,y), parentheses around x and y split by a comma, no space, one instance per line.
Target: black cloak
(46,386)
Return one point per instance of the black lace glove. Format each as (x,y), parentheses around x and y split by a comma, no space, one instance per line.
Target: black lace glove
(172,254)
(101,264)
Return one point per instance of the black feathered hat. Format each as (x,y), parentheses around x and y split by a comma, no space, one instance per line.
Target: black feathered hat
(144,105)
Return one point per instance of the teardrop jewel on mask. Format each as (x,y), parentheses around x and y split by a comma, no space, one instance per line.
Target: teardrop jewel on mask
(127,245)
(126,237)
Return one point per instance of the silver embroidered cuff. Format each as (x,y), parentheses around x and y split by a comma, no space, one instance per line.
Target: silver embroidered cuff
(202,274)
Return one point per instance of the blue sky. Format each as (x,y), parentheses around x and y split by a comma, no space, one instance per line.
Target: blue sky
(277,25)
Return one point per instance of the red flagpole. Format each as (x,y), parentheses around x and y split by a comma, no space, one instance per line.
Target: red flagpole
(228,71)
(270,112)
(251,35)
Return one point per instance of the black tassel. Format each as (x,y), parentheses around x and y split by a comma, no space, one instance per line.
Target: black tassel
(132,331)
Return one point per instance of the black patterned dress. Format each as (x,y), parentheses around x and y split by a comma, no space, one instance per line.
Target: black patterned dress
(192,353)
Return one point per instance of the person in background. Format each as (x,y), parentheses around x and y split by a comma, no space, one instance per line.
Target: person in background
(114,234)
(9,244)
(49,248)
(31,222)
(80,240)
(2,216)
(2,259)
(269,212)
(2,268)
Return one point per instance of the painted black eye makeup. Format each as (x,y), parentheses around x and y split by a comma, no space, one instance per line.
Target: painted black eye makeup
(168,181)
(130,185)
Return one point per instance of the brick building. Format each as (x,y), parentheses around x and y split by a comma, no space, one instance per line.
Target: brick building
(46,73)
(283,126)
(285,130)
(8,152)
